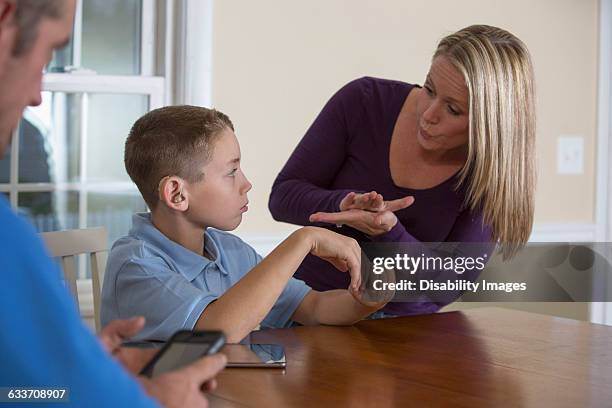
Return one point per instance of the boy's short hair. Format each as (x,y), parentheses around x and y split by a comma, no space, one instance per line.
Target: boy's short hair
(171,141)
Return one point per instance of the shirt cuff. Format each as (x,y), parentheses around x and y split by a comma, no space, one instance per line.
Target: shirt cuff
(197,311)
(282,318)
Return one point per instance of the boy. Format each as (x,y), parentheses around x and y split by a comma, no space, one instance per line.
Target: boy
(180,273)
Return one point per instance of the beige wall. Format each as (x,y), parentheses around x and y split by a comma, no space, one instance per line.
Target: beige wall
(277,62)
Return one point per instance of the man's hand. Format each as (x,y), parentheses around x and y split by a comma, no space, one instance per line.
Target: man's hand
(179,388)
(368,213)
(115,333)
(185,387)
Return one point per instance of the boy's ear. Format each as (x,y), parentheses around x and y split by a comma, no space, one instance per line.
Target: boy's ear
(172,193)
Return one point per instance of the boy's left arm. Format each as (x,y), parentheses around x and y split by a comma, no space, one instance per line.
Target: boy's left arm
(333,307)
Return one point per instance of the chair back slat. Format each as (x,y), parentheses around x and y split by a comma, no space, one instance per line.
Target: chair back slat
(98,264)
(70,276)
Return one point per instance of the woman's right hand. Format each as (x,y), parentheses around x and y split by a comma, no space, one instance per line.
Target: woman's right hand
(367,212)
(342,252)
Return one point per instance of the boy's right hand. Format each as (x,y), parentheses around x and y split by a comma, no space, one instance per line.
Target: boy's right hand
(342,252)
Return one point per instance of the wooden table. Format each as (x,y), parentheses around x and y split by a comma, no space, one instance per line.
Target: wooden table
(481,357)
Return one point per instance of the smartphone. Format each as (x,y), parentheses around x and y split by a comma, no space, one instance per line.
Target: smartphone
(183,348)
(255,355)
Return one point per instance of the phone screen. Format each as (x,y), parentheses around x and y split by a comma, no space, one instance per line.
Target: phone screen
(178,355)
(183,348)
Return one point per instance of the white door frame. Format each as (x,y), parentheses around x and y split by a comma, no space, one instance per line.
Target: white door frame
(601,312)
(187,61)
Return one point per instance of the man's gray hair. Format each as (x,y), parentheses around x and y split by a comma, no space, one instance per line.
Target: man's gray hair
(28,15)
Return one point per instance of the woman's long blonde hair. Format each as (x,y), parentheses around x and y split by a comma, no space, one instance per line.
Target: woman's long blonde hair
(499,174)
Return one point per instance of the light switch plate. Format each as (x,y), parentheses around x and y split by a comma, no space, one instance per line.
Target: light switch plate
(570,155)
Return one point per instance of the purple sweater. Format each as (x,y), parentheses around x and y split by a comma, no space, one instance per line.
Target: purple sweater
(347,149)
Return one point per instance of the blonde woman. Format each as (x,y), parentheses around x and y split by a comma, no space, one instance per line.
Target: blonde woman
(450,161)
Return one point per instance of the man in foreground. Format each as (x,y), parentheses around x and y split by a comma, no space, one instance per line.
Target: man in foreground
(44,343)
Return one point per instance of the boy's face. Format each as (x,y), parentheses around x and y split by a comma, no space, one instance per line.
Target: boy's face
(220,198)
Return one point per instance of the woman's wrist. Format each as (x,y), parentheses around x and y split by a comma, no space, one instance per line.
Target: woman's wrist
(389,236)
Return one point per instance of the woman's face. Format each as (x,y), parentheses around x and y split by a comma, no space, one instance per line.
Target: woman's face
(442,108)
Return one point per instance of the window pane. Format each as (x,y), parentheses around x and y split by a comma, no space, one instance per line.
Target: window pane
(49,140)
(5,165)
(50,210)
(111,36)
(110,40)
(49,137)
(113,211)
(110,120)
(62,58)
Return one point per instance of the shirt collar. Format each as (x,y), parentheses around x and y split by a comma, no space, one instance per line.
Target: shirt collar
(188,263)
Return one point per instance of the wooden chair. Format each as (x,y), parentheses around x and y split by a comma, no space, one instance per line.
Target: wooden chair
(67,245)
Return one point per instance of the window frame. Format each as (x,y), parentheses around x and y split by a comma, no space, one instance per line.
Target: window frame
(87,83)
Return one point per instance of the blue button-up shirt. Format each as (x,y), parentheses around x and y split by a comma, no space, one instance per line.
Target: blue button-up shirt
(150,275)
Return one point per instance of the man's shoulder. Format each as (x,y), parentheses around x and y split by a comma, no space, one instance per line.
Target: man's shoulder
(24,255)
(18,237)
(13,226)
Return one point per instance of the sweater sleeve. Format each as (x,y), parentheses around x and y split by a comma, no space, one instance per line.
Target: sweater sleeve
(304,185)
(473,239)
(469,227)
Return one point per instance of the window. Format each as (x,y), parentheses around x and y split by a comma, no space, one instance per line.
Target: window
(64,169)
